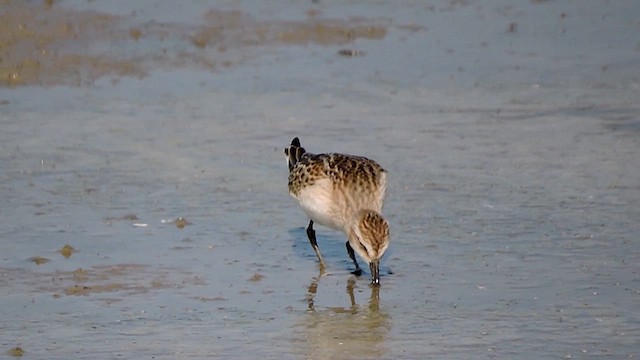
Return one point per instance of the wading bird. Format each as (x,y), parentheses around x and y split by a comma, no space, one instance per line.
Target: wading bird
(342,192)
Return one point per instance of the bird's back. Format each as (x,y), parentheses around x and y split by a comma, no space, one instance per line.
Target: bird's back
(331,188)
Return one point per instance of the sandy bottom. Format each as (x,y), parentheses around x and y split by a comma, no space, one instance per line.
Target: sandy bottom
(143,187)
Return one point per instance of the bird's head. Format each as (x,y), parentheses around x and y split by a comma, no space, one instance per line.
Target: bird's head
(369,237)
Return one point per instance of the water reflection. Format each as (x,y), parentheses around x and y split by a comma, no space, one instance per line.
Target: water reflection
(345,332)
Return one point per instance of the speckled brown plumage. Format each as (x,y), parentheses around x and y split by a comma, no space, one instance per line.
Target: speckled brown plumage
(343,192)
(343,170)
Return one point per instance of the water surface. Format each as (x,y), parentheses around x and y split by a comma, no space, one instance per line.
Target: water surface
(510,132)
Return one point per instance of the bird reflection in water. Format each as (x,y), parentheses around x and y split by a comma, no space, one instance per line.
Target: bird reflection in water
(344,332)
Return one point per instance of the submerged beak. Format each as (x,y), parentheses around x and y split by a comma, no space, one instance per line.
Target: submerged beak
(374,267)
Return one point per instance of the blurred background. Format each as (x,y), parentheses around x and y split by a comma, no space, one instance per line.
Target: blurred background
(143,201)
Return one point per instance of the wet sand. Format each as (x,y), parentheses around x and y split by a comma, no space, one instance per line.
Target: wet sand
(143,186)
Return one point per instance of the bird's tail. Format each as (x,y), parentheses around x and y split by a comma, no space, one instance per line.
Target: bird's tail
(294,152)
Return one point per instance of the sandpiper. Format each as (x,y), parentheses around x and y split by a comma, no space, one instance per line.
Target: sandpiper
(342,192)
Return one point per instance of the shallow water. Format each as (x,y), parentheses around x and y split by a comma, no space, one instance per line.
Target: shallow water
(514,183)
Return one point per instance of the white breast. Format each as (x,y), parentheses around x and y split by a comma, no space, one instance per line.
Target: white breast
(318,203)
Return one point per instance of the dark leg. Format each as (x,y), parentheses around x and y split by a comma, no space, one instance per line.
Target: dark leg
(311,234)
(358,271)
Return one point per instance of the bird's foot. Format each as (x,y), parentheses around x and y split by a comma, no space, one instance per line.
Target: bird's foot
(322,268)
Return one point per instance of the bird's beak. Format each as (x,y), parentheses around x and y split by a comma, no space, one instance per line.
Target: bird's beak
(374,267)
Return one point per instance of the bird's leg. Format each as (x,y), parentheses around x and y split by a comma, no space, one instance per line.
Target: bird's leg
(358,271)
(311,234)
